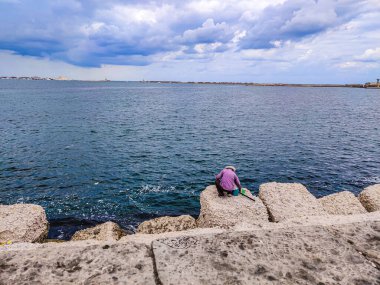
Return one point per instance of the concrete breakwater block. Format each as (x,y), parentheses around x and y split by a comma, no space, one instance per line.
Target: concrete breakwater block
(370,198)
(108,231)
(167,224)
(148,238)
(342,203)
(227,212)
(79,263)
(307,255)
(364,237)
(289,200)
(23,223)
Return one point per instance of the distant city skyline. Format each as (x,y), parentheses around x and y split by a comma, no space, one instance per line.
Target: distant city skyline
(299,41)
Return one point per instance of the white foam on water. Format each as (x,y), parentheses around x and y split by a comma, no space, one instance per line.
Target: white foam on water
(156,189)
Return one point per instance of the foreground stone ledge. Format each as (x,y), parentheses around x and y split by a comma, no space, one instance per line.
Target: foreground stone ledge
(301,222)
(342,203)
(370,198)
(167,224)
(227,212)
(307,255)
(289,200)
(332,249)
(79,263)
(108,231)
(364,238)
(23,223)
(148,238)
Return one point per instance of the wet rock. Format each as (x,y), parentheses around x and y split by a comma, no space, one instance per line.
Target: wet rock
(342,203)
(167,224)
(23,223)
(108,231)
(370,198)
(227,212)
(289,200)
(304,255)
(80,262)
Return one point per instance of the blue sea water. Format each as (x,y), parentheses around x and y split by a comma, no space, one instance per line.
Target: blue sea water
(126,151)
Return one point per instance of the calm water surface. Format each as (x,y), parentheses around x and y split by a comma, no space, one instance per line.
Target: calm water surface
(97,151)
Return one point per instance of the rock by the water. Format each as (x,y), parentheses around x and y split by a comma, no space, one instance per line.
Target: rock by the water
(329,249)
(289,200)
(167,224)
(227,212)
(108,231)
(370,198)
(23,223)
(303,255)
(342,203)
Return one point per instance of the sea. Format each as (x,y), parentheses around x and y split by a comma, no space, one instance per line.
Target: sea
(90,152)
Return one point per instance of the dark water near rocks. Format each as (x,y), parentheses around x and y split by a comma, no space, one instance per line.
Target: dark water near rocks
(97,151)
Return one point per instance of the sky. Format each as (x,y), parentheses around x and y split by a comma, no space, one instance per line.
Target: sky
(288,41)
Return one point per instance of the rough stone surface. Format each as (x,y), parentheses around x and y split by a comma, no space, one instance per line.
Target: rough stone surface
(366,242)
(325,220)
(23,223)
(79,263)
(307,255)
(289,200)
(342,203)
(370,198)
(227,212)
(167,224)
(148,238)
(329,249)
(105,232)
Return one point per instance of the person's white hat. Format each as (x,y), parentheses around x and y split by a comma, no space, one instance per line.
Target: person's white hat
(231,167)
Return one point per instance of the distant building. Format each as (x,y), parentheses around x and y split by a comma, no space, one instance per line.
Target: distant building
(373,84)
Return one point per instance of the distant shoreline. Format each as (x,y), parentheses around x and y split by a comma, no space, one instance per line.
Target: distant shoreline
(37,78)
(263,84)
(366,85)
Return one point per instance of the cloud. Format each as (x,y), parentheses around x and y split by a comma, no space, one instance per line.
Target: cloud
(355,65)
(295,20)
(370,55)
(370,59)
(246,34)
(209,32)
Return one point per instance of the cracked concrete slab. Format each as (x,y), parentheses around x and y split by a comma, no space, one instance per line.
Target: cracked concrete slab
(307,255)
(306,250)
(79,263)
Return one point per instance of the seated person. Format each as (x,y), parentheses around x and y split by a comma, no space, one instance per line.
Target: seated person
(227,181)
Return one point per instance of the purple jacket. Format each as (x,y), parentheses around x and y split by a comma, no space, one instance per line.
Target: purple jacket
(228,179)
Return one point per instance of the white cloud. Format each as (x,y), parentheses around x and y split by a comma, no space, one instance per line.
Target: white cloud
(358,65)
(209,32)
(249,39)
(316,16)
(370,55)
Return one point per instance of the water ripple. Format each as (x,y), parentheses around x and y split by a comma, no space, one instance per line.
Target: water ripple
(92,152)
